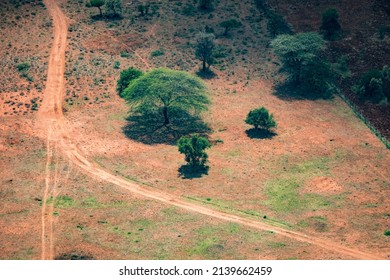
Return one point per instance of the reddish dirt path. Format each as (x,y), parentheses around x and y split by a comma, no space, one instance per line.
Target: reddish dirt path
(52,120)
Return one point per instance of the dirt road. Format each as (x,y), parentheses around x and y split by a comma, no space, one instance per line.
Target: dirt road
(51,119)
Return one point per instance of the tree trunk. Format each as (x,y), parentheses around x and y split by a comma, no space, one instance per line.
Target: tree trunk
(166,118)
(204,65)
(100,10)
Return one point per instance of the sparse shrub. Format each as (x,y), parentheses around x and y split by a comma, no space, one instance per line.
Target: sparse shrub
(330,25)
(23,66)
(125,54)
(206,5)
(143,9)
(114,8)
(117,65)
(188,10)
(262,5)
(193,148)
(96,4)
(230,24)
(204,49)
(260,118)
(383,31)
(159,52)
(126,77)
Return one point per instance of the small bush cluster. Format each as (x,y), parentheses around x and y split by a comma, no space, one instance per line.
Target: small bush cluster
(374,86)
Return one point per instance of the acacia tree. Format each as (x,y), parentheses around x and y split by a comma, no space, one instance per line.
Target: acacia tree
(260,118)
(204,49)
(298,50)
(165,90)
(193,148)
(229,24)
(96,4)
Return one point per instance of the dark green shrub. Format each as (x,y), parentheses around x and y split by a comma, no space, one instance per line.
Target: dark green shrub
(374,86)
(159,52)
(387,232)
(206,5)
(193,148)
(229,24)
(276,24)
(23,66)
(260,118)
(126,77)
(330,25)
(189,10)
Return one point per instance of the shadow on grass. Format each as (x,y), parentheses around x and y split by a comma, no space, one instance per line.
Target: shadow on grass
(207,74)
(148,128)
(289,91)
(73,257)
(98,17)
(189,172)
(259,133)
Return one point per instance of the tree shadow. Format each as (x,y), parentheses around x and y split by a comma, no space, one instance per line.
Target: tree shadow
(105,17)
(206,74)
(148,127)
(260,133)
(74,257)
(187,171)
(290,91)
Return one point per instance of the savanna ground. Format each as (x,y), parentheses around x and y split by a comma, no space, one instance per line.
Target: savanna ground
(323,173)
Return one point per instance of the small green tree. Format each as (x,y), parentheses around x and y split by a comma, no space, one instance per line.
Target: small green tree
(260,118)
(114,7)
(126,77)
(193,148)
(204,49)
(164,90)
(330,25)
(206,5)
(96,4)
(230,24)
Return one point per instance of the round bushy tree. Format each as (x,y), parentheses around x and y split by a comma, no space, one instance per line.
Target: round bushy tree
(126,77)
(193,147)
(260,118)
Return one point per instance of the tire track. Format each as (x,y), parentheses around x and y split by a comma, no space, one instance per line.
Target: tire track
(51,112)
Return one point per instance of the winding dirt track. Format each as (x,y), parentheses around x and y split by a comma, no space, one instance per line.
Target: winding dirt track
(51,119)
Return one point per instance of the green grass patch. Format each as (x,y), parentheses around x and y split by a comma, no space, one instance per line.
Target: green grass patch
(63,202)
(283,196)
(276,245)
